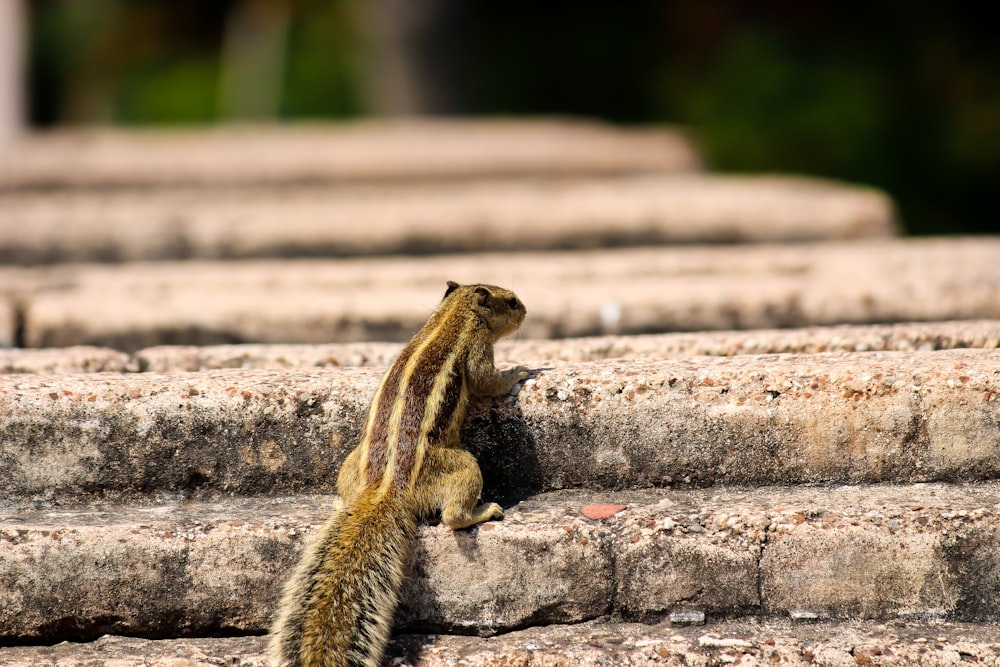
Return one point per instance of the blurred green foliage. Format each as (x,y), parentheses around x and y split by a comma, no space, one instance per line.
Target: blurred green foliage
(154,61)
(899,96)
(324,73)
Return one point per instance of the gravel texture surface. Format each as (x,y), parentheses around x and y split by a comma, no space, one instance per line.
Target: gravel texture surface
(597,643)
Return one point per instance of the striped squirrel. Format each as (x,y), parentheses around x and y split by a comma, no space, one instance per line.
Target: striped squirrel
(338,605)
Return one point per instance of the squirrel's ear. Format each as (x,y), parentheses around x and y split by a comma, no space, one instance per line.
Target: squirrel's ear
(452,286)
(484,295)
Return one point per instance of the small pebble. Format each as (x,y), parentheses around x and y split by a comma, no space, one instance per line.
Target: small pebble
(687,618)
(708,641)
(600,511)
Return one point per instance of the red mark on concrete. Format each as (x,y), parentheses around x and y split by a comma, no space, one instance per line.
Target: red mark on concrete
(601,511)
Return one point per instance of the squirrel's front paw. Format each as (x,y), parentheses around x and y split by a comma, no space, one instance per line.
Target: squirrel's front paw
(517,373)
(512,378)
(493,512)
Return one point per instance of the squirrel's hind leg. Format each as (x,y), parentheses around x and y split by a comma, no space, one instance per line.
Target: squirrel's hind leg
(450,481)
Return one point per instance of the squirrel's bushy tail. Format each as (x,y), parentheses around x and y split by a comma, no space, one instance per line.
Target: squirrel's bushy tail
(338,606)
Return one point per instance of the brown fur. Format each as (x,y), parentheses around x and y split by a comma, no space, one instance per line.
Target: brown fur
(338,606)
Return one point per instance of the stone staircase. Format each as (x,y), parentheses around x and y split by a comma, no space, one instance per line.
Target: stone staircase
(804,472)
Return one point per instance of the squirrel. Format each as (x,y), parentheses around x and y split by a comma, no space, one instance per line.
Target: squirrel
(338,606)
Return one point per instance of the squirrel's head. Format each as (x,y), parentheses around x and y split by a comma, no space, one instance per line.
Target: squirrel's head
(498,308)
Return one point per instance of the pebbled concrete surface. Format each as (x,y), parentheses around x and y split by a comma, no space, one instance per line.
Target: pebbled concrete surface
(75,359)
(748,419)
(365,151)
(181,568)
(514,215)
(923,336)
(597,643)
(189,358)
(626,291)
(920,336)
(750,643)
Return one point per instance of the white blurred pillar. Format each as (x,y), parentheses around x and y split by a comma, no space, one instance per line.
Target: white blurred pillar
(405,76)
(12,44)
(253,60)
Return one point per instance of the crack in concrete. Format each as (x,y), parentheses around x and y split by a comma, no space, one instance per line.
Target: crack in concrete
(759,567)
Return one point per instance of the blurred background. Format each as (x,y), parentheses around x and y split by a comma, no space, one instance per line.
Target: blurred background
(885,93)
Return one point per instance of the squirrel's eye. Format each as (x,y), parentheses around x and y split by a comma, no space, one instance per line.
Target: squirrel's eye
(512,302)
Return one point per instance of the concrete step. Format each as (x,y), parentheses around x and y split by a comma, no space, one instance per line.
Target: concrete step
(511,215)
(75,359)
(593,644)
(367,151)
(694,288)
(749,419)
(911,336)
(899,337)
(190,568)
